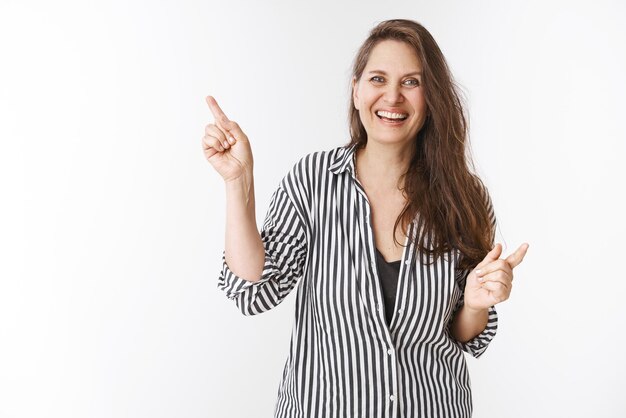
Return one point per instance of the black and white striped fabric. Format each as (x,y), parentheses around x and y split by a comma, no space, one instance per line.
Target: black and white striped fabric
(344,360)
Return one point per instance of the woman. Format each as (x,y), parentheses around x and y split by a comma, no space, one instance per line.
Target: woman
(390,237)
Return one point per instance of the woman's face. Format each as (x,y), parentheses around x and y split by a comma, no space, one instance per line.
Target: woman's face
(389,95)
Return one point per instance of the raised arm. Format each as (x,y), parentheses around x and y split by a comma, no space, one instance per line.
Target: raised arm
(227,149)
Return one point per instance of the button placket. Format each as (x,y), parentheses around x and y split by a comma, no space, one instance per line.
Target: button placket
(372,256)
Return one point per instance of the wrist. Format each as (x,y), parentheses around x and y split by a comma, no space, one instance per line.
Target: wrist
(475,311)
(240,191)
(238,183)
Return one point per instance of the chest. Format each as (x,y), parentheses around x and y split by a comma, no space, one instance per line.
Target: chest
(347,225)
(385,208)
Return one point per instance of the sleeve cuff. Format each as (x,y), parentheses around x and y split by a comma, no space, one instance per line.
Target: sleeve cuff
(235,286)
(477,345)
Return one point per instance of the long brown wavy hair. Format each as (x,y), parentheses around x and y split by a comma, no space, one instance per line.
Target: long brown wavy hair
(452,201)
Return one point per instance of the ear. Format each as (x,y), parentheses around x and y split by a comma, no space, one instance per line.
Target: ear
(355,93)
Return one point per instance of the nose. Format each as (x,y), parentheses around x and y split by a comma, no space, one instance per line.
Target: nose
(393,94)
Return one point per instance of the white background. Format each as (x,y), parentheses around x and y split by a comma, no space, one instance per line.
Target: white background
(111,226)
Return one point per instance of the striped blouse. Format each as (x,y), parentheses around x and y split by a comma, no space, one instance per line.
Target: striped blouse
(344,360)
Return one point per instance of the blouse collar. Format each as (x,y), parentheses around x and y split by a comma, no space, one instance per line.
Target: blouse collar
(344,160)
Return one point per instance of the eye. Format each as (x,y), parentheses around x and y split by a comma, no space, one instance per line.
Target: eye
(412,82)
(377,79)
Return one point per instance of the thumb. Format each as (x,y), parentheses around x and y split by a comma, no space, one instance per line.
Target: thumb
(517,257)
(492,255)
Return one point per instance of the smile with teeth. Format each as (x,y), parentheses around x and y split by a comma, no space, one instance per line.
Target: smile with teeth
(390,116)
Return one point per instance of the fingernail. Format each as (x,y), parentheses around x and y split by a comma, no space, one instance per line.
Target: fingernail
(231,140)
(225,144)
(481,279)
(477,271)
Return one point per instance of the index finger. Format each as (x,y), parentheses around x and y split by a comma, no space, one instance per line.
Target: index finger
(517,257)
(218,114)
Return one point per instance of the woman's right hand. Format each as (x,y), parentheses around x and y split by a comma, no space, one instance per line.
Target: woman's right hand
(226,147)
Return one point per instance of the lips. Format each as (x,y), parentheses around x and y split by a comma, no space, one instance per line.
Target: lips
(396,119)
(391,115)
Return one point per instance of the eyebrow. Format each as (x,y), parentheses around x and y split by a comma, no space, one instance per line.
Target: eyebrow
(384,73)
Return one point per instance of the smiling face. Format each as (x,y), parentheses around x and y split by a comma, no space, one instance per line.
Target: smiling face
(389,94)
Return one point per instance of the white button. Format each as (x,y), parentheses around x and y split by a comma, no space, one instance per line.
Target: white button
(407,262)
(390,351)
(392,398)
(399,310)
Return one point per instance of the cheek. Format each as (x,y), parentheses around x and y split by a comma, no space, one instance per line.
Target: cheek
(367,97)
(364,117)
(364,105)
(418,100)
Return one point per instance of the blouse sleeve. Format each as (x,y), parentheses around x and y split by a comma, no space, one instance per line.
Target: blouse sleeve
(284,239)
(477,345)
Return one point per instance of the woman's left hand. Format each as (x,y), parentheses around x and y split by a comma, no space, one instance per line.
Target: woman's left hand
(490,282)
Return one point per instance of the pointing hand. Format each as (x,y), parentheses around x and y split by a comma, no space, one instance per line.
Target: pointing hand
(226,146)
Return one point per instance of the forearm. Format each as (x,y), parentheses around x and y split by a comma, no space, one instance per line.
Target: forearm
(468,323)
(244,250)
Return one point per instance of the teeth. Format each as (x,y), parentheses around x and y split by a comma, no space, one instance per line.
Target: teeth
(390,115)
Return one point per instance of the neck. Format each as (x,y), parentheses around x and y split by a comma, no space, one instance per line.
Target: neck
(383,164)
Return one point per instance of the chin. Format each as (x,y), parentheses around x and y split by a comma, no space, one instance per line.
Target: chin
(390,139)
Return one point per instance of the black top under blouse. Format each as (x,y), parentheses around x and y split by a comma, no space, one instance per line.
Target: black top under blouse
(388,273)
